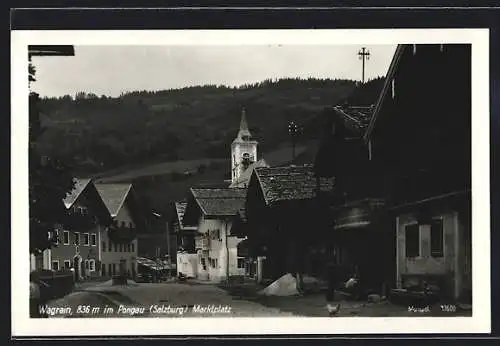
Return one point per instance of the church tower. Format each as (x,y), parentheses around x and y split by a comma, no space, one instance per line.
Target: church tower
(243,150)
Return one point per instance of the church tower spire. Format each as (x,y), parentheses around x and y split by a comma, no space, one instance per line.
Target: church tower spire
(244,133)
(243,149)
(243,121)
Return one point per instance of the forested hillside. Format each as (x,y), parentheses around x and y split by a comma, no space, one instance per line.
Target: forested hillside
(98,133)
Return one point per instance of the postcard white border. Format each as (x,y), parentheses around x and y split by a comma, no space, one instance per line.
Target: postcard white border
(480,322)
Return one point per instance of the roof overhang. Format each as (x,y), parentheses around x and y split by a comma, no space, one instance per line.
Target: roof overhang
(51,50)
(390,74)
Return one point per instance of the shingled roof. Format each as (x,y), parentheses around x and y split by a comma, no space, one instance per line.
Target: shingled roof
(280,184)
(219,202)
(355,118)
(113,196)
(80,185)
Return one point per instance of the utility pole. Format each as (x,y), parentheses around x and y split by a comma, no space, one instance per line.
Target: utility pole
(363,54)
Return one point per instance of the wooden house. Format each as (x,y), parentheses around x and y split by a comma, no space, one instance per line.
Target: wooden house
(419,137)
(402,172)
(282,219)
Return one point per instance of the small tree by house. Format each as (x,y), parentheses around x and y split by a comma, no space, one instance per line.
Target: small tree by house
(49,183)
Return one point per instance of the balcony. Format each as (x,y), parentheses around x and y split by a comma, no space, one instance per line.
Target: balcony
(202,243)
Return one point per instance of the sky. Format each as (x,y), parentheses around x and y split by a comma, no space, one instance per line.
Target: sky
(112,70)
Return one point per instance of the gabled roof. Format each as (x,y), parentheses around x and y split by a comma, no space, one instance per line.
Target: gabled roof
(281,184)
(219,202)
(180,209)
(245,176)
(388,80)
(113,196)
(80,185)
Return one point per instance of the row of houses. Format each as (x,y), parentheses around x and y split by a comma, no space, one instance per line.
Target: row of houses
(100,235)
(387,196)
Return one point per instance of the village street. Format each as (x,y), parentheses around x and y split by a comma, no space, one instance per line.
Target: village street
(159,300)
(197,300)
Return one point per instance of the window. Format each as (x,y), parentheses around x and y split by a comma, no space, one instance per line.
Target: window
(56,236)
(82,210)
(55,265)
(86,239)
(86,264)
(103,269)
(437,243)
(122,224)
(132,246)
(93,239)
(103,246)
(77,238)
(66,237)
(67,264)
(110,246)
(130,225)
(412,234)
(241,263)
(115,247)
(110,271)
(120,246)
(203,263)
(92,265)
(114,268)
(129,247)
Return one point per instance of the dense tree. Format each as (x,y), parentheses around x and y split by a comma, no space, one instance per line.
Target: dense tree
(49,182)
(188,123)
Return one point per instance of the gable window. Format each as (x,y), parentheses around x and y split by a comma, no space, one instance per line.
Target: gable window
(93,239)
(437,241)
(412,234)
(56,236)
(77,238)
(67,264)
(55,265)
(66,237)
(86,239)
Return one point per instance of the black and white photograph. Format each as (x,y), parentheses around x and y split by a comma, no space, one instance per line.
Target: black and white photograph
(311,177)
